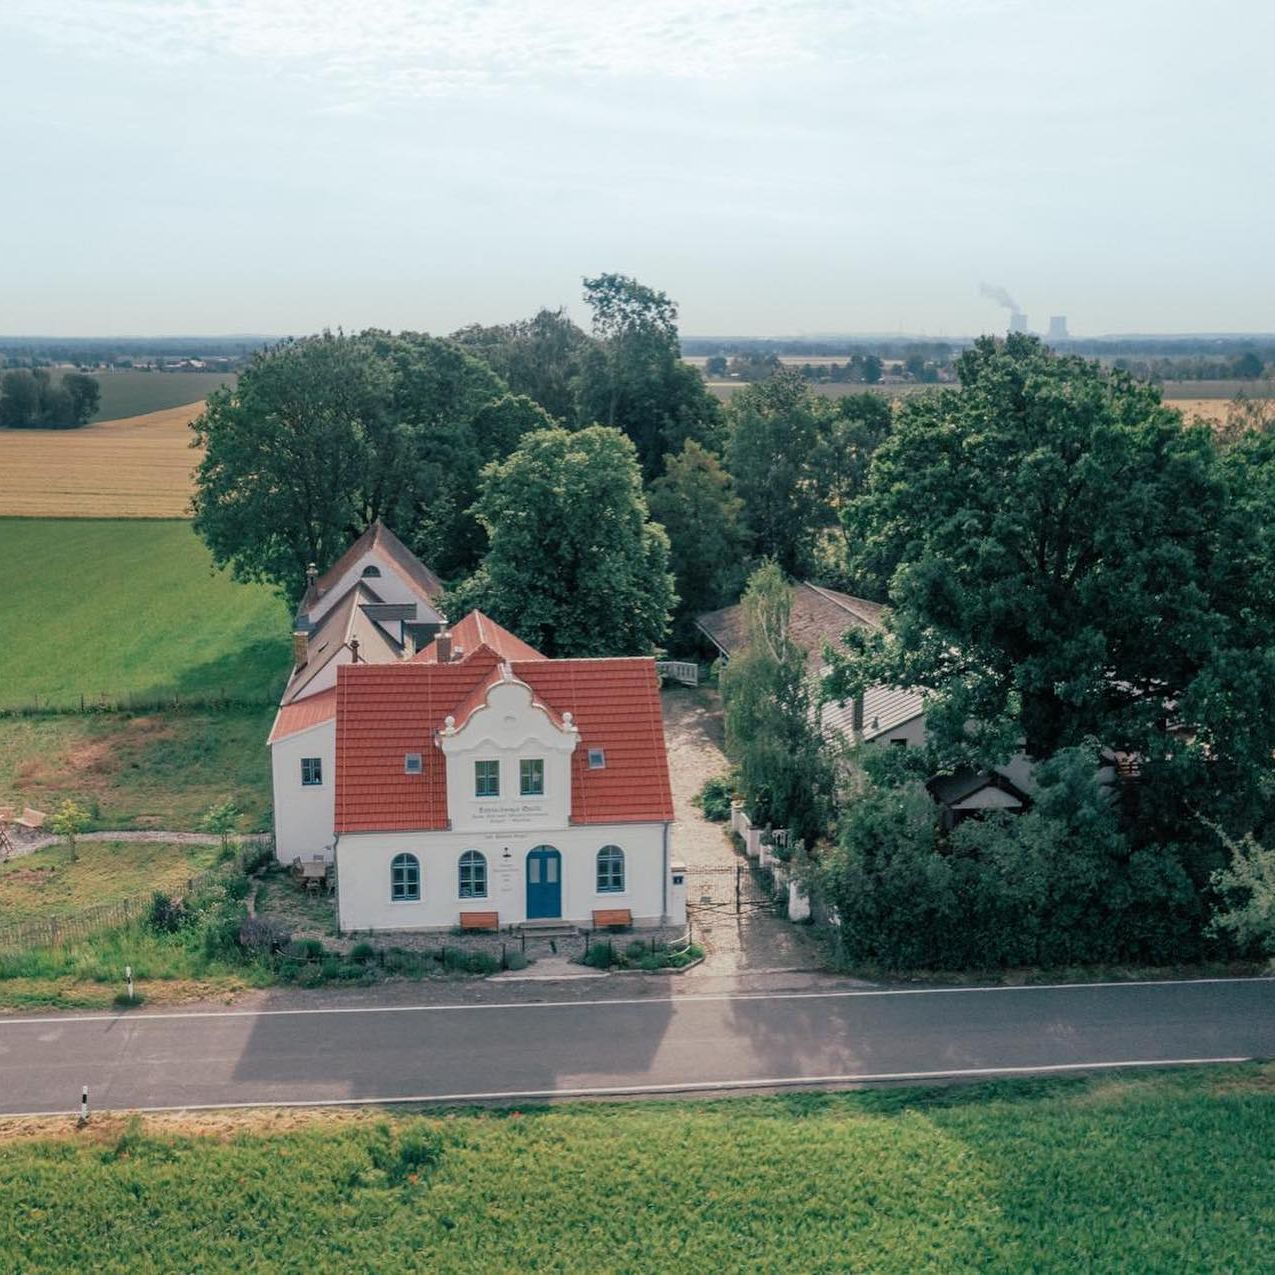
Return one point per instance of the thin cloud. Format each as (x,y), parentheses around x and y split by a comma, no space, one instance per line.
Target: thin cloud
(426,48)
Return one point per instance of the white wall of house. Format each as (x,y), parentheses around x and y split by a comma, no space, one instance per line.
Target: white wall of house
(363,875)
(303,814)
(509,728)
(911,733)
(389,586)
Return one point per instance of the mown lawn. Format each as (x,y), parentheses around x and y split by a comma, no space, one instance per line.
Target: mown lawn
(1171,1172)
(121,608)
(157,770)
(47,883)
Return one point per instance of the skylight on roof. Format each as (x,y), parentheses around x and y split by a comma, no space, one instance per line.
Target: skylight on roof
(412,764)
(597,759)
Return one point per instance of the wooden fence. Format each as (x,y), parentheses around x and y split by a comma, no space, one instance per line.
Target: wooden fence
(53,931)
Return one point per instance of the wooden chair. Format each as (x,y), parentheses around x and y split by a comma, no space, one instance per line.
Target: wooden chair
(483,921)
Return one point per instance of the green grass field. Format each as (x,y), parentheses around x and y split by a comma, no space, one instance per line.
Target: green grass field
(122,608)
(48,884)
(1169,1172)
(133,393)
(144,771)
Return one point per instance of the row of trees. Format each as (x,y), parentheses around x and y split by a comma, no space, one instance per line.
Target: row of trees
(1072,571)
(482,450)
(39,399)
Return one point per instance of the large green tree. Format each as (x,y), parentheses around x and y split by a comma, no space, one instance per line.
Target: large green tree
(1054,542)
(542,357)
(575,565)
(695,502)
(37,400)
(324,434)
(772,453)
(633,377)
(772,733)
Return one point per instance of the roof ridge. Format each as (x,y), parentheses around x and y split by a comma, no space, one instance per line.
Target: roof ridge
(837,598)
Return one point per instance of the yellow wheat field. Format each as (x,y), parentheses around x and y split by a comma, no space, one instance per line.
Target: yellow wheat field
(139,467)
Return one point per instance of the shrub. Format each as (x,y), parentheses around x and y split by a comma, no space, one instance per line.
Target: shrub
(310,976)
(363,952)
(289,971)
(637,949)
(166,915)
(515,961)
(714,798)
(483,963)
(259,937)
(330,967)
(601,956)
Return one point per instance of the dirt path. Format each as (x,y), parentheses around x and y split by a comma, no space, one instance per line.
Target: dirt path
(757,940)
(41,841)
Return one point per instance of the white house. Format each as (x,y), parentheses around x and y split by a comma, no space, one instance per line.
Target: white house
(481,783)
(375,604)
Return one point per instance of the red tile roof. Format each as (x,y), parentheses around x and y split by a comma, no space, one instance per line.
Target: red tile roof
(386,710)
(301,714)
(477,630)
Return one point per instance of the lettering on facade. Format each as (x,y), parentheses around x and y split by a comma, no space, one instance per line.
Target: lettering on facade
(509,813)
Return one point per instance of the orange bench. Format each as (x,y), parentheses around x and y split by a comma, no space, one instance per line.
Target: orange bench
(612,919)
(480,920)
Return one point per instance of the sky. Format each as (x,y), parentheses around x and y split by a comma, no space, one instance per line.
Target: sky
(778,167)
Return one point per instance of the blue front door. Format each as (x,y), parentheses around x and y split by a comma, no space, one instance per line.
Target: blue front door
(544,883)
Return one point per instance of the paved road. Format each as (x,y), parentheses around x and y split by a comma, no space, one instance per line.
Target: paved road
(364,1052)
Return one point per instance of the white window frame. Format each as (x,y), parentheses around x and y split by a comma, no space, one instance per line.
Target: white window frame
(523,763)
(317,763)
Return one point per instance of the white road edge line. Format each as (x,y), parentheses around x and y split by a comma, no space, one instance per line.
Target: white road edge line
(699,1086)
(691,998)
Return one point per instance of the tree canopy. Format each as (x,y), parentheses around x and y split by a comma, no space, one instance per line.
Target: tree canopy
(575,566)
(324,434)
(772,735)
(37,400)
(695,502)
(634,378)
(1062,554)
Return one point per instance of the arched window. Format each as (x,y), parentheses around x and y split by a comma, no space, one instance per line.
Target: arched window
(371,573)
(610,870)
(473,875)
(405,878)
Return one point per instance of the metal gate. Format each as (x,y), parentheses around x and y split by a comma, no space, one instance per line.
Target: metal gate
(732,889)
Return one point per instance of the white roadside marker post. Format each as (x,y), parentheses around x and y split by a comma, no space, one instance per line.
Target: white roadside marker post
(128,974)
(84,1105)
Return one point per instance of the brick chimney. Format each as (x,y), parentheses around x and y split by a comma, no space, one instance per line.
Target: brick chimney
(443,647)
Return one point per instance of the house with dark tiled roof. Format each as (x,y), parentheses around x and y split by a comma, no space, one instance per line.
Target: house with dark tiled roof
(819,618)
(377,604)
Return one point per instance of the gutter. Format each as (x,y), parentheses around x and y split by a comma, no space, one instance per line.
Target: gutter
(663,884)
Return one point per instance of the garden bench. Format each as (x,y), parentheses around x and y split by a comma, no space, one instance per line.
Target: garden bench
(480,921)
(612,919)
(31,819)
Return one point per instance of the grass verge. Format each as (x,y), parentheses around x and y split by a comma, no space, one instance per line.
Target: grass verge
(157,770)
(1154,1173)
(47,884)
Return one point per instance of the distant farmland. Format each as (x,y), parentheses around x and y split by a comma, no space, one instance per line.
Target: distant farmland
(130,392)
(135,468)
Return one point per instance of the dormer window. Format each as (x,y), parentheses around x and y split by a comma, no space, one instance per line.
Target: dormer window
(371,573)
(531,777)
(412,764)
(597,759)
